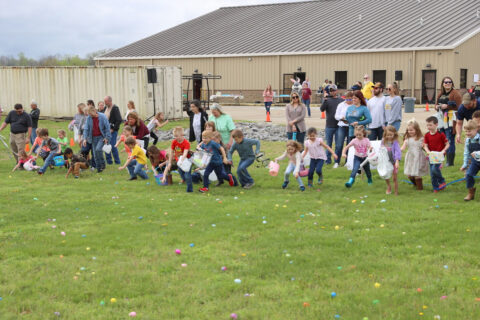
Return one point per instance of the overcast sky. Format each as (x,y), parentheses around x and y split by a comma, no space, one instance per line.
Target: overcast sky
(39,27)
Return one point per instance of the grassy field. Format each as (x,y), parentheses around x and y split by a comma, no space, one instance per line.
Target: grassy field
(414,256)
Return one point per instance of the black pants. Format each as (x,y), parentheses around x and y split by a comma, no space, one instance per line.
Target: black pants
(155,138)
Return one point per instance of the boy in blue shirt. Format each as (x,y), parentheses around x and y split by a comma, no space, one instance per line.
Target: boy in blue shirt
(53,145)
(472,153)
(244,148)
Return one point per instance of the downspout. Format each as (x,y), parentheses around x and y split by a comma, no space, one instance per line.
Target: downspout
(279,75)
(414,63)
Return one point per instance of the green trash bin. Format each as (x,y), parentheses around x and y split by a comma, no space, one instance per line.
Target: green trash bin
(409,103)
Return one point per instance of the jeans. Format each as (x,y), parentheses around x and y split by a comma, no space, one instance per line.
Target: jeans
(242,172)
(267,106)
(113,142)
(316,165)
(300,136)
(436,175)
(396,124)
(375,134)
(48,161)
(187,177)
(136,169)
(33,136)
(307,104)
(219,171)
(85,150)
(228,170)
(357,161)
(97,145)
(340,135)
(290,169)
(471,172)
(329,133)
(451,139)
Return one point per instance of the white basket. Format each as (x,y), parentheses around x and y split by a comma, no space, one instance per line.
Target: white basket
(436,157)
(201,159)
(107,148)
(184,163)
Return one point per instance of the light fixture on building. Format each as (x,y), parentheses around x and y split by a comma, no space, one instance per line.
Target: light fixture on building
(439,53)
(456,52)
(428,65)
(195,71)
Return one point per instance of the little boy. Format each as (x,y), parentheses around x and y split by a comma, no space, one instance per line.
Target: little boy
(244,148)
(435,141)
(218,152)
(136,161)
(54,147)
(76,162)
(36,145)
(179,147)
(471,152)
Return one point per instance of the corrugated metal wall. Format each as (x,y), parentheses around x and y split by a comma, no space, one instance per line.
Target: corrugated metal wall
(467,58)
(58,90)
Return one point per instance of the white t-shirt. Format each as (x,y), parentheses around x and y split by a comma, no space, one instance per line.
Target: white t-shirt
(376,106)
(197,126)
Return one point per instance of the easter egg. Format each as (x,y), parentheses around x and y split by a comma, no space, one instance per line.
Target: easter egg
(113,300)
(237,281)
(337,228)
(306,304)
(377,285)
(57,313)
(178,251)
(63,233)
(333,294)
(102,303)
(233,316)
(132,314)
(224,268)
(192,245)
(184,265)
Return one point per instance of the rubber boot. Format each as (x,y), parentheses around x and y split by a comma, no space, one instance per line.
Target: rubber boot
(350,182)
(470,195)
(413,180)
(419,183)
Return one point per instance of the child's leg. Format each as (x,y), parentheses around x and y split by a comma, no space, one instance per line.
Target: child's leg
(471,173)
(357,161)
(207,172)
(221,174)
(434,173)
(311,170)
(290,168)
(155,137)
(318,169)
(138,171)
(395,181)
(242,172)
(188,179)
(300,182)
(366,168)
(131,168)
(48,161)
(389,187)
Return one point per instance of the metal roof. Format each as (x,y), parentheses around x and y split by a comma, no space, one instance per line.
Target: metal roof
(314,27)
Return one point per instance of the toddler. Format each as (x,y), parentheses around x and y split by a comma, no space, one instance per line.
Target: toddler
(294,161)
(390,141)
(62,140)
(416,164)
(23,158)
(435,141)
(362,146)
(136,160)
(179,147)
(76,162)
(472,153)
(315,147)
(126,133)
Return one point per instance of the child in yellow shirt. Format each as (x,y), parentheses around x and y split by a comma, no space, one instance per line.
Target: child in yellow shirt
(136,161)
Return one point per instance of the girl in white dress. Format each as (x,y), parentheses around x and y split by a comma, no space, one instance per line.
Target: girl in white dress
(416,164)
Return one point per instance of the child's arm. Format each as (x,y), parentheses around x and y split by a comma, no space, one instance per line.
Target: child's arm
(298,163)
(230,152)
(224,155)
(323,144)
(62,143)
(425,147)
(199,146)
(304,153)
(466,155)
(118,142)
(16,167)
(404,145)
(185,154)
(281,157)
(159,125)
(446,148)
(129,159)
(169,165)
(70,169)
(257,146)
(344,152)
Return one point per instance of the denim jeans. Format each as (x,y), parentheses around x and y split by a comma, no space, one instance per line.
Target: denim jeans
(242,172)
(471,172)
(329,133)
(436,175)
(187,177)
(48,161)
(33,136)
(289,170)
(85,150)
(451,139)
(219,171)
(316,165)
(97,145)
(396,124)
(113,142)
(300,136)
(340,136)
(357,161)
(136,169)
(267,106)
(307,104)
(375,134)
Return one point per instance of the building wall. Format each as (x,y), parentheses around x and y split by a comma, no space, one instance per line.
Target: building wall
(467,58)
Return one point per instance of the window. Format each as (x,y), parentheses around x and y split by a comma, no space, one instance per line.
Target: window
(341,79)
(463,78)
(380,76)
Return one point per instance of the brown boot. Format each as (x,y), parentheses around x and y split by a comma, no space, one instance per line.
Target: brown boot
(419,183)
(413,180)
(470,195)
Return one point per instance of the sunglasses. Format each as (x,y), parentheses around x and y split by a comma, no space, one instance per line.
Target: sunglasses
(294,97)
(447,82)
(348,99)
(388,89)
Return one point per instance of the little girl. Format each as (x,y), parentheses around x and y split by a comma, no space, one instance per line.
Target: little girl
(294,162)
(23,158)
(416,163)
(390,141)
(210,126)
(362,146)
(158,159)
(127,132)
(37,143)
(315,147)
(62,140)
(156,123)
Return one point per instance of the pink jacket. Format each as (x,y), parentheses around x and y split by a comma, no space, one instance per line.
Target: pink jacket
(267,96)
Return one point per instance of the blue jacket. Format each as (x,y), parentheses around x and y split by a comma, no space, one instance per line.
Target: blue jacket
(354,114)
(103,124)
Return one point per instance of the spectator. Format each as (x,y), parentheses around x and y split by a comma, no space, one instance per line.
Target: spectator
(35,115)
(267,98)
(140,130)
(393,107)
(101,106)
(115,119)
(367,89)
(357,114)
(223,124)
(330,107)
(476,91)
(20,129)
(306,81)
(96,133)
(376,106)
(198,118)
(130,108)
(306,95)
(465,111)
(342,130)
(295,114)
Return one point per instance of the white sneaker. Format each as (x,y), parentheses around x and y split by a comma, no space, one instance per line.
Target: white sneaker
(335,166)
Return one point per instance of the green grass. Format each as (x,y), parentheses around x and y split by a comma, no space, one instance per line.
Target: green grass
(415,240)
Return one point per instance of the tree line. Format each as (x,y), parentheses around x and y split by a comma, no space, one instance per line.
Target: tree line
(56,60)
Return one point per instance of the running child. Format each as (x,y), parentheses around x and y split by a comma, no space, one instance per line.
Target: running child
(362,146)
(53,145)
(244,147)
(416,163)
(23,158)
(471,153)
(294,162)
(390,141)
(156,123)
(435,140)
(180,147)
(315,147)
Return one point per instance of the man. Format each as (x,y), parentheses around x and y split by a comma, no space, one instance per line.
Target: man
(376,106)
(35,115)
(20,129)
(96,133)
(367,87)
(465,111)
(330,107)
(115,119)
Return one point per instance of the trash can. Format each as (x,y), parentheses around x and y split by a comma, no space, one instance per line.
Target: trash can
(409,103)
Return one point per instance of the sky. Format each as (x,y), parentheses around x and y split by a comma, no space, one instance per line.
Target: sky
(39,28)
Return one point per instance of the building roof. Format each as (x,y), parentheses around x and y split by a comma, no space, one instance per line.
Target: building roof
(314,27)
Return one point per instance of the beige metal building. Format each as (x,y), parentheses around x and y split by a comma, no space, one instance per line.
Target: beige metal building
(252,46)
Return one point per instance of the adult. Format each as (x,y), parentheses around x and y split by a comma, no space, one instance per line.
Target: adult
(101,106)
(295,113)
(35,115)
(223,124)
(268,98)
(306,96)
(198,118)
(96,133)
(393,106)
(115,119)
(139,129)
(448,101)
(357,114)
(342,130)
(330,107)
(465,111)
(376,106)
(20,129)
(79,122)
(476,91)
(130,108)
(367,89)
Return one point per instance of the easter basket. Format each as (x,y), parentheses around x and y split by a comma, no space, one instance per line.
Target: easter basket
(436,157)
(59,161)
(159,177)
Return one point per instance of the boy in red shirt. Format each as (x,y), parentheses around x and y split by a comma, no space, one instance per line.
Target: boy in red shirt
(180,147)
(435,141)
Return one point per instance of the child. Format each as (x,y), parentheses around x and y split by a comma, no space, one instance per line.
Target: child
(416,164)
(23,158)
(44,151)
(244,148)
(136,161)
(390,141)
(179,147)
(158,159)
(315,147)
(435,141)
(156,123)
(476,117)
(53,145)
(218,152)
(210,126)
(76,162)
(62,140)
(126,133)
(471,152)
(294,162)
(362,146)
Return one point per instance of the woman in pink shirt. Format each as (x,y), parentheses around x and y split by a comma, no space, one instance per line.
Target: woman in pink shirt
(268,97)
(306,95)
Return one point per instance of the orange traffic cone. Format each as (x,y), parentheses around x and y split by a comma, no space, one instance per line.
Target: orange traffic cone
(323,114)
(27,147)
(268,117)
(427,108)
(72,143)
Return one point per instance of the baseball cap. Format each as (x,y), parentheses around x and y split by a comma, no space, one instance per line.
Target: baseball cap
(378,85)
(333,87)
(467,98)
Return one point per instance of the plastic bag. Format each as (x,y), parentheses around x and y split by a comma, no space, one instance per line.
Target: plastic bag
(436,157)
(107,148)
(185,164)
(384,166)
(201,159)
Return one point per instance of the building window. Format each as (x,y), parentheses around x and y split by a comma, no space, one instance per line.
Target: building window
(380,76)
(463,78)
(341,79)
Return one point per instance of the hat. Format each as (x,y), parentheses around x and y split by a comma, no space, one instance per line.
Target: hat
(355,87)
(467,98)
(34,102)
(378,85)
(332,87)
(216,106)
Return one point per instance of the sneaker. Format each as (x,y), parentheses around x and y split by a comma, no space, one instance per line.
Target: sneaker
(76,177)
(442,186)
(99,170)
(310,185)
(435,191)
(231,182)
(370,181)
(219,183)
(302,188)
(132,178)
(335,166)
(203,190)
(40,173)
(285,184)
(248,185)
(320,181)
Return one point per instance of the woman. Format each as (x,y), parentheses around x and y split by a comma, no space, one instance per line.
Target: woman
(393,106)
(447,103)
(223,123)
(357,114)
(140,130)
(198,118)
(100,104)
(130,108)
(114,119)
(268,98)
(342,131)
(306,94)
(78,122)
(295,114)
